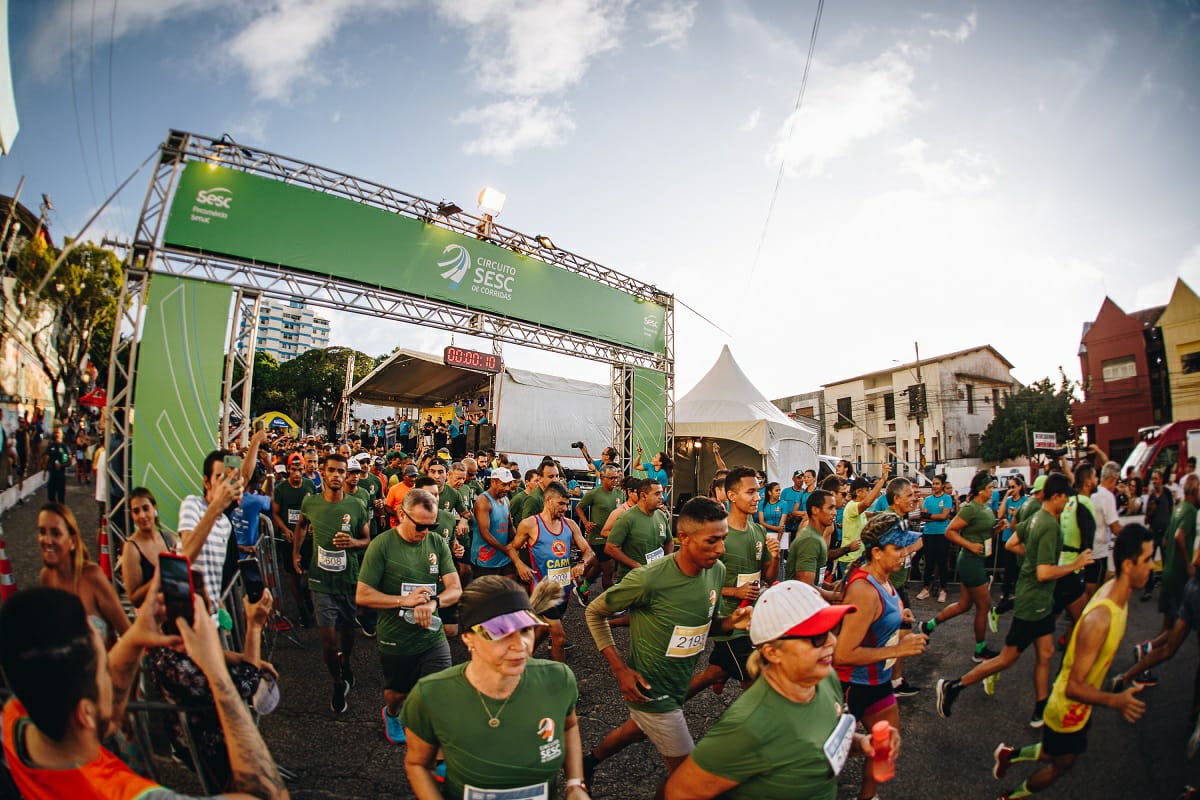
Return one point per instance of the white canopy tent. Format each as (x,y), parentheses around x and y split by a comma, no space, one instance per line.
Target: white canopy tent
(725,405)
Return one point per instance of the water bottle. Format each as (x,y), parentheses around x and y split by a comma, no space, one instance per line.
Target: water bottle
(883,768)
(408,616)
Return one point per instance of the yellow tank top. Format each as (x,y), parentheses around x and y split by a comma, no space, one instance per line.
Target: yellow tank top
(1062,714)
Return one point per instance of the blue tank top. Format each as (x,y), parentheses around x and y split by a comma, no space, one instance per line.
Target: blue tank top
(550,553)
(884,632)
(482,553)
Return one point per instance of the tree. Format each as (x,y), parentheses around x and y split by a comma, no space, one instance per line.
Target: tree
(318,376)
(76,309)
(1038,407)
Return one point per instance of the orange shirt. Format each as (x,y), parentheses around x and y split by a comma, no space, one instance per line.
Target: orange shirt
(106,778)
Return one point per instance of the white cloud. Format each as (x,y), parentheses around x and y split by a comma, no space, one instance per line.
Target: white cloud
(963,172)
(277,49)
(534,47)
(670,22)
(510,126)
(959,34)
(845,104)
(751,121)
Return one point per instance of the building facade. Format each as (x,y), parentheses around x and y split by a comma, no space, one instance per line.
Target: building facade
(807,408)
(1125,382)
(1180,325)
(867,414)
(288,328)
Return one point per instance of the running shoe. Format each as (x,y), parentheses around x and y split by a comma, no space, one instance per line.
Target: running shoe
(993,620)
(1117,685)
(1141,650)
(989,686)
(927,627)
(589,770)
(1193,742)
(947,693)
(1146,678)
(338,703)
(348,676)
(439,772)
(1005,605)
(581,594)
(923,594)
(1002,758)
(942,596)
(393,729)
(1035,720)
(986,654)
(905,689)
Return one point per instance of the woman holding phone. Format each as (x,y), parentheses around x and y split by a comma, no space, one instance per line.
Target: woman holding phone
(66,565)
(503,720)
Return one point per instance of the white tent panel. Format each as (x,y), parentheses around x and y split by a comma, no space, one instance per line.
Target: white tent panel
(726,405)
(543,414)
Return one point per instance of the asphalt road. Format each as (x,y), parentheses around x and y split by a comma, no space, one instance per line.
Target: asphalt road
(346,756)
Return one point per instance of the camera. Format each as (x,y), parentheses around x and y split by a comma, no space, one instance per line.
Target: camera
(576,445)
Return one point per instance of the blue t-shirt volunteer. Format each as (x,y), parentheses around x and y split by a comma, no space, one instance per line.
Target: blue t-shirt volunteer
(937,504)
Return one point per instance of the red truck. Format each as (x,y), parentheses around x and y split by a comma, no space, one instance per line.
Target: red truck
(1165,447)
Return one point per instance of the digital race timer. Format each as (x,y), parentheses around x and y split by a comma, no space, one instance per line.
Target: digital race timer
(471,359)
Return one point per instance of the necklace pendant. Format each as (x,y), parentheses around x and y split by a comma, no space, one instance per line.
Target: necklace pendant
(493,723)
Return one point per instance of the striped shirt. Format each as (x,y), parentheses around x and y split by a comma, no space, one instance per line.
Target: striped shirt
(211,561)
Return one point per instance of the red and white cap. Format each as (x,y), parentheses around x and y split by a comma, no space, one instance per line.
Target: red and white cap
(793,608)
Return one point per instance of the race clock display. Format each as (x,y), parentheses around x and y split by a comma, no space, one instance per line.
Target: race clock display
(471,359)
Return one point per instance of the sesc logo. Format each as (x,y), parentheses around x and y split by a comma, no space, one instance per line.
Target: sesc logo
(219,197)
(458,260)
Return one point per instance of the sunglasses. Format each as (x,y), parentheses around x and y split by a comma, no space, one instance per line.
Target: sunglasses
(421,528)
(818,641)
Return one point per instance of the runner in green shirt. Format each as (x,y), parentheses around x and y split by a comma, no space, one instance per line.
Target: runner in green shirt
(593,511)
(809,552)
(972,530)
(1033,604)
(642,534)
(504,722)
(408,575)
(288,496)
(338,524)
(673,605)
(751,562)
(788,735)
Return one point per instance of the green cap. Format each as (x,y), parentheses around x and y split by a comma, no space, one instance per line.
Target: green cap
(1039,483)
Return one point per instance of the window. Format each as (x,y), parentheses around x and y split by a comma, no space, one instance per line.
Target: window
(995,401)
(970,399)
(1191,362)
(845,417)
(973,445)
(889,405)
(1118,369)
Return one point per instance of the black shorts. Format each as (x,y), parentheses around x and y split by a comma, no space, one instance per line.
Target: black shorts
(598,549)
(560,610)
(1023,632)
(731,656)
(863,699)
(283,554)
(1064,744)
(1189,605)
(401,672)
(509,570)
(1094,573)
(1067,590)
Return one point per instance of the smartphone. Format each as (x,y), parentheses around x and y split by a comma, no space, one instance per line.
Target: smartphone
(252,580)
(259,425)
(175,573)
(233,462)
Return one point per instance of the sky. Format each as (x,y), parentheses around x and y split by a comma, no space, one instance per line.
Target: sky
(955,174)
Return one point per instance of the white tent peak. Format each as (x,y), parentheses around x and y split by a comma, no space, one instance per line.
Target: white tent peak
(724,404)
(725,394)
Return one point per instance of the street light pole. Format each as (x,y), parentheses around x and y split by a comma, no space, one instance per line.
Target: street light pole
(921,410)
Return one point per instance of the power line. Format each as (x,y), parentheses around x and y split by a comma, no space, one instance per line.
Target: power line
(92,89)
(812,44)
(112,139)
(75,102)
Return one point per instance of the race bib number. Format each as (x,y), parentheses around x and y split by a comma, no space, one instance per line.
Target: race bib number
(540,791)
(892,642)
(821,576)
(293,516)
(987,548)
(908,561)
(687,641)
(837,746)
(331,560)
(560,575)
(747,577)
(654,555)
(409,588)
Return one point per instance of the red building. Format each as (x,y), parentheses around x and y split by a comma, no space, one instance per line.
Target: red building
(1121,359)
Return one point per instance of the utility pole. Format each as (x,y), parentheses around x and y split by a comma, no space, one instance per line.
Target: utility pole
(922,409)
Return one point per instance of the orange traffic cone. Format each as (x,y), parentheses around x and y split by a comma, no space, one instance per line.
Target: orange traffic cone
(8,584)
(105,559)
